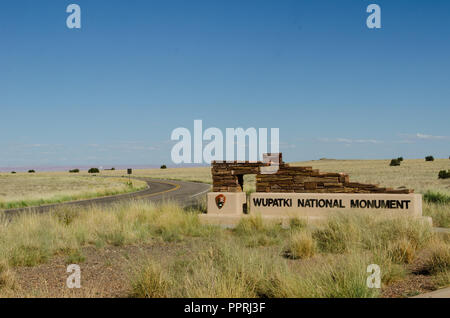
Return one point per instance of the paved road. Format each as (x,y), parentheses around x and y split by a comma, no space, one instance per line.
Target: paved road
(440,293)
(183,192)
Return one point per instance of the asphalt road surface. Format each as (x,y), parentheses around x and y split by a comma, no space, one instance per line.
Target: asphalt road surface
(183,192)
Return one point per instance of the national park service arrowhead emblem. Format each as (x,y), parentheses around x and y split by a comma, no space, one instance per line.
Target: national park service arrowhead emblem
(220,201)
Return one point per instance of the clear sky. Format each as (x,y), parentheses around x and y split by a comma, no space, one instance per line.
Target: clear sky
(112,92)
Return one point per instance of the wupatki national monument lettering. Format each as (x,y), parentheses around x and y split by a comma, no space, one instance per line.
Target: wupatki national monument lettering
(292,191)
(333,203)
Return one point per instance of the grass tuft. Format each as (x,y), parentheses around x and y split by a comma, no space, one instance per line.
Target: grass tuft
(150,282)
(439,212)
(439,259)
(301,245)
(7,278)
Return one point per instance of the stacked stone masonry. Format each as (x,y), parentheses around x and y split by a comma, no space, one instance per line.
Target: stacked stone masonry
(228,177)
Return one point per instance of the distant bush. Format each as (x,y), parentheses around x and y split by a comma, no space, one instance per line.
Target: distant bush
(31,171)
(93,170)
(113,168)
(13,172)
(400,158)
(163,167)
(74,170)
(429,158)
(395,162)
(444,174)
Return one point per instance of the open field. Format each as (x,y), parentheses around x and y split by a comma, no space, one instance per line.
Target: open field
(51,187)
(143,250)
(138,249)
(416,174)
(23,189)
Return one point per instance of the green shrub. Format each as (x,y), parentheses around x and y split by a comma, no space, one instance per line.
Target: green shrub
(395,162)
(74,171)
(93,170)
(13,172)
(75,257)
(436,197)
(429,158)
(400,158)
(31,171)
(444,174)
(296,224)
(163,167)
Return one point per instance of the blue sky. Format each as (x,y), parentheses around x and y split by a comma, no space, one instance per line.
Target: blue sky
(112,92)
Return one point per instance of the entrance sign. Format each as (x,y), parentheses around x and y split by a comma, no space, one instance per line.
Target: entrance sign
(297,192)
(322,204)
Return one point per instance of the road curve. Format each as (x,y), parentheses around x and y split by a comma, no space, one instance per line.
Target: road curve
(183,192)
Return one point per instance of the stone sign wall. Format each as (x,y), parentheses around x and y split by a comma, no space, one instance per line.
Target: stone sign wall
(283,192)
(228,177)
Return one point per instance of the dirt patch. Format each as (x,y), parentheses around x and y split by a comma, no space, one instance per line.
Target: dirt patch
(411,286)
(105,272)
(416,283)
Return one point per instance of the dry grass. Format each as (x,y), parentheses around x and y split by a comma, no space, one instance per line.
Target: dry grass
(7,279)
(301,245)
(30,239)
(347,231)
(23,190)
(401,251)
(439,258)
(248,261)
(225,269)
(326,260)
(440,213)
(416,174)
